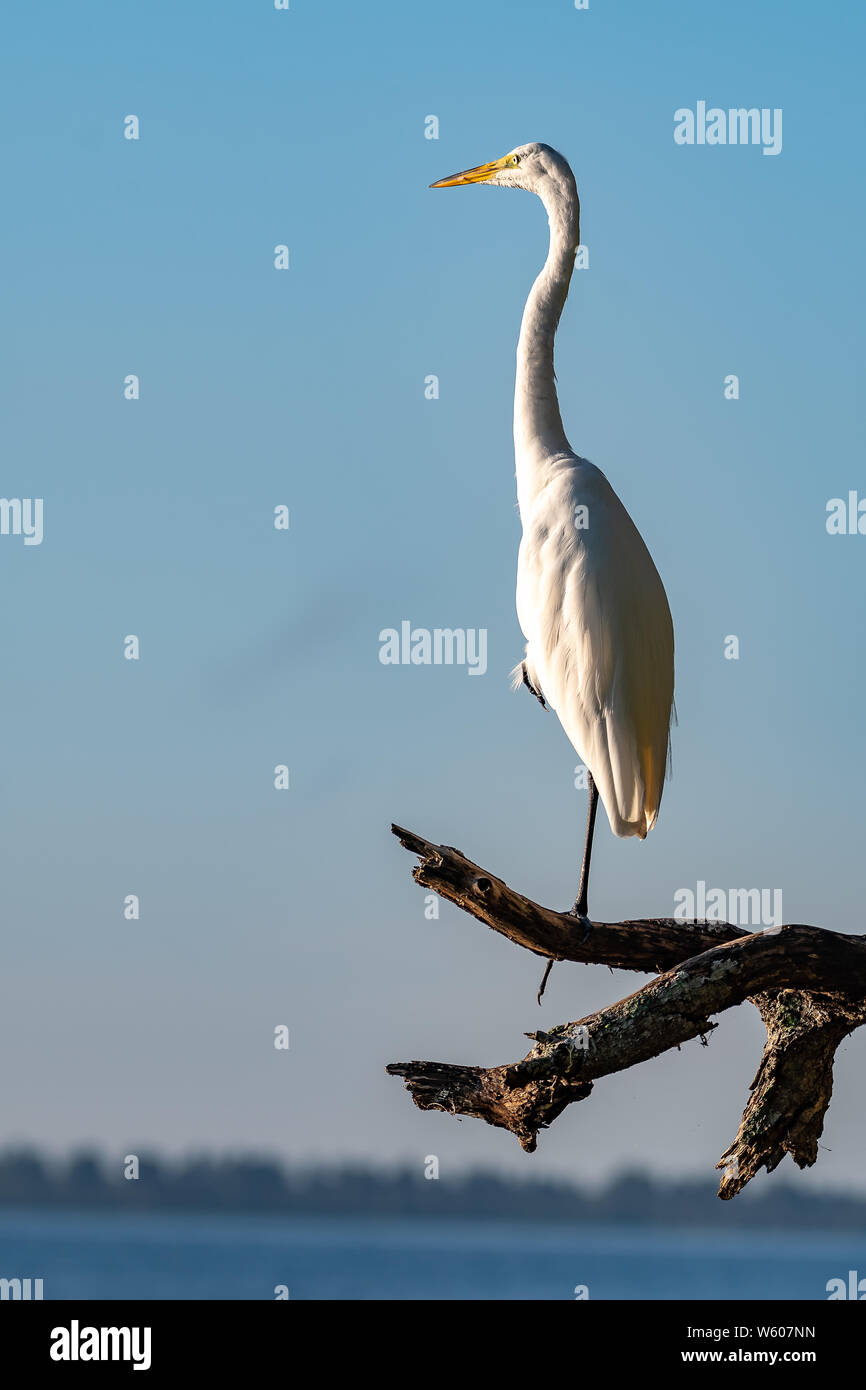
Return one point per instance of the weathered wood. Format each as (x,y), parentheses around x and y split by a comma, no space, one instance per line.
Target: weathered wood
(649,945)
(809,985)
(793,1084)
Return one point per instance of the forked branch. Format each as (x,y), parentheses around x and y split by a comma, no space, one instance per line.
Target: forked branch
(808,984)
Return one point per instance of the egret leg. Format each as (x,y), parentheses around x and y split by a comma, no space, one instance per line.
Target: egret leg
(547,970)
(580,907)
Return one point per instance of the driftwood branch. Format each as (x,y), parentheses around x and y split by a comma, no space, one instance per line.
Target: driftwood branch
(808,984)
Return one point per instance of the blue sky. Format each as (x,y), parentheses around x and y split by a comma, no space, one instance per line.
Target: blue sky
(258,647)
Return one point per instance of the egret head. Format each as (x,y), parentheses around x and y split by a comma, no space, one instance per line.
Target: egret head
(535,167)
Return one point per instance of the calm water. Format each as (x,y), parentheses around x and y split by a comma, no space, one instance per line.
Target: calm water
(181,1256)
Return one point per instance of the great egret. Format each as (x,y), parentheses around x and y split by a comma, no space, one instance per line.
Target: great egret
(593,610)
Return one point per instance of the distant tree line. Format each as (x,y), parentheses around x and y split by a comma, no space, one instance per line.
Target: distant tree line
(87,1181)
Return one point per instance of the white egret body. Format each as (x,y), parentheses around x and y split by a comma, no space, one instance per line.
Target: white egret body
(593,610)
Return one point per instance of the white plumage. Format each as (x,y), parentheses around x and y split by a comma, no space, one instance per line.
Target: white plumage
(593,610)
(599,638)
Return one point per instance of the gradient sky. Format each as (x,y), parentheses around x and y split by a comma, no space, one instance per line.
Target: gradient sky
(260,647)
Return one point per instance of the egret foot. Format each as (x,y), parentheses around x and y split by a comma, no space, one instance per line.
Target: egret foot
(587,928)
(531,688)
(584,922)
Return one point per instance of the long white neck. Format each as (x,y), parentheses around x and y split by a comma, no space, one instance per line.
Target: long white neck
(538,433)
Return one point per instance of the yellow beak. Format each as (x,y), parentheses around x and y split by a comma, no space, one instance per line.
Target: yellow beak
(480,174)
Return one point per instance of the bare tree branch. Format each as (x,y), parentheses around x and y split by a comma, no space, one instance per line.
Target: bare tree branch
(793,1085)
(649,945)
(808,984)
